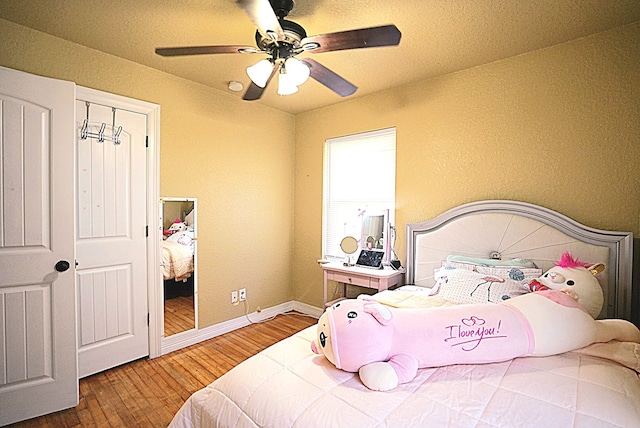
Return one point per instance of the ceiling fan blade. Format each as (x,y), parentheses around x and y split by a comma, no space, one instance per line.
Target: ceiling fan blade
(204,50)
(263,17)
(254,92)
(330,79)
(386,35)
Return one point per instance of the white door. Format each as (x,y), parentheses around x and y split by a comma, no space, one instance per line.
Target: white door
(37,302)
(111,239)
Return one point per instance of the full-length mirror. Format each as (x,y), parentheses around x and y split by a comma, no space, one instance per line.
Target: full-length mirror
(179,264)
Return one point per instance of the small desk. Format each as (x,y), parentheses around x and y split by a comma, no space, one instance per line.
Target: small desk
(380,279)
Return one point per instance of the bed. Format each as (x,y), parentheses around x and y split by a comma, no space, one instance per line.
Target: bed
(177,257)
(178,246)
(178,249)
(287,385)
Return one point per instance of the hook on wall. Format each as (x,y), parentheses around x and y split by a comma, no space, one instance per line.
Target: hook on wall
(115,133)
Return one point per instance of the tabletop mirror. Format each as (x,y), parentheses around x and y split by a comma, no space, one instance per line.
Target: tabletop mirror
(375,232)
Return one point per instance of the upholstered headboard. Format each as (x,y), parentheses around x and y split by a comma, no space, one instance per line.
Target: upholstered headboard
(511,229)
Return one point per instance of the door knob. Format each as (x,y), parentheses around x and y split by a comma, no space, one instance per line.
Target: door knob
(62,265)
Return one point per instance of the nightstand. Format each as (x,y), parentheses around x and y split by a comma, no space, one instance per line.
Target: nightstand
(379,279)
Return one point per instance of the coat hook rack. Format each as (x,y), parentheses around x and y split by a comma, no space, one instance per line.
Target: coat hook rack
(115,133)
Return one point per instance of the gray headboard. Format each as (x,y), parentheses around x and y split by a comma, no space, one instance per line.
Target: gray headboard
(510,229)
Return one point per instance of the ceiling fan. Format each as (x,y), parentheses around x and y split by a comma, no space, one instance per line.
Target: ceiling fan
(282,40)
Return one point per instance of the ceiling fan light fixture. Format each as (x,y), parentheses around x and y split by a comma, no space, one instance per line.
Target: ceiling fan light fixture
(259,72)
(297,70)
(286,84)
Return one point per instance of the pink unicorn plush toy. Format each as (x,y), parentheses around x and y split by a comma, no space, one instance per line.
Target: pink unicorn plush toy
(387,346)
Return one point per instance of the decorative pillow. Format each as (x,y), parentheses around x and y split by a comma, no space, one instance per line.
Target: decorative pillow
(515,273)
(517,262)
(466,286)
(184,238)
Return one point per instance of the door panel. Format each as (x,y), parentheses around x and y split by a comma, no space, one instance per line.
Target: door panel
(25,178)
(38,373)
(29,344)
(111,241)
(101,305)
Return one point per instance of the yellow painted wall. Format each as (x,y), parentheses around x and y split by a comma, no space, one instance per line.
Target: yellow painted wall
(559,127)
(214,148)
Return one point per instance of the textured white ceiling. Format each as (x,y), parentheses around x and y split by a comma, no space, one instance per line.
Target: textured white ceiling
(438,36)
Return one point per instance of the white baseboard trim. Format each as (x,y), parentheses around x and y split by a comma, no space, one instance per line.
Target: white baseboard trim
(307,309)
(191,337)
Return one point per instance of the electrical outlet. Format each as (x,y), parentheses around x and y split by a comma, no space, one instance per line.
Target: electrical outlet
(243,294)
(234,297)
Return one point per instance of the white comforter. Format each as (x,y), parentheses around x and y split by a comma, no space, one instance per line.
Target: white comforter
(177,260)
(287,385)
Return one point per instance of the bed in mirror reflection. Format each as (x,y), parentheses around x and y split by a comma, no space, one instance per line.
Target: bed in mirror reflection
(179,264)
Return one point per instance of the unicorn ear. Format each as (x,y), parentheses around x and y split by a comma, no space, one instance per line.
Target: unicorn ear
(596,269)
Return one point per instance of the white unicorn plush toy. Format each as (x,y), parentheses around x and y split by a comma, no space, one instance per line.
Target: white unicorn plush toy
(576,279)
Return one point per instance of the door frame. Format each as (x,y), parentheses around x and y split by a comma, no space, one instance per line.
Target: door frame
(152,111)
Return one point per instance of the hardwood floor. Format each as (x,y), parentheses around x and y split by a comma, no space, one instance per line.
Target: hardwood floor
(179,315)
(147,393)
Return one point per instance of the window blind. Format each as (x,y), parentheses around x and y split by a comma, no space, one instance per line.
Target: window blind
(359,175)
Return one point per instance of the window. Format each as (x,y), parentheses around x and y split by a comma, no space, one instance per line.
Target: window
(359,176)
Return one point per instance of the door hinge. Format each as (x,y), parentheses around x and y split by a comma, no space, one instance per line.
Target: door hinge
(146,231)
(146,141)
(147,318)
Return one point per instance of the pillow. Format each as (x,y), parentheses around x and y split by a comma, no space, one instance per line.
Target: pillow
(517,262)
(505,272)
(466,286)
(184,238)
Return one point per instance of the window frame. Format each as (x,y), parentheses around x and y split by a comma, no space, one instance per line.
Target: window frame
(383,140)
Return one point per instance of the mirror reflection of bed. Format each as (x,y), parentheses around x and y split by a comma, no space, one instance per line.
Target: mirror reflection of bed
(179,264)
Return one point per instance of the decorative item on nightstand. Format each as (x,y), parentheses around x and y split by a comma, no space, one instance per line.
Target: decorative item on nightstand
(349,245)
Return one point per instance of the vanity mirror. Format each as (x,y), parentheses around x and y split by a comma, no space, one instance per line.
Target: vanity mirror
(375,233)
(179,266)
(349,245)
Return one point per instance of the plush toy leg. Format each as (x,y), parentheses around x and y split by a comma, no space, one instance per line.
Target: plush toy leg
(382,376)
(378,376)
(614,329)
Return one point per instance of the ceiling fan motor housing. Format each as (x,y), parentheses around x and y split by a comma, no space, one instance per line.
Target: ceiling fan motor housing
(281,7)
(290,46)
